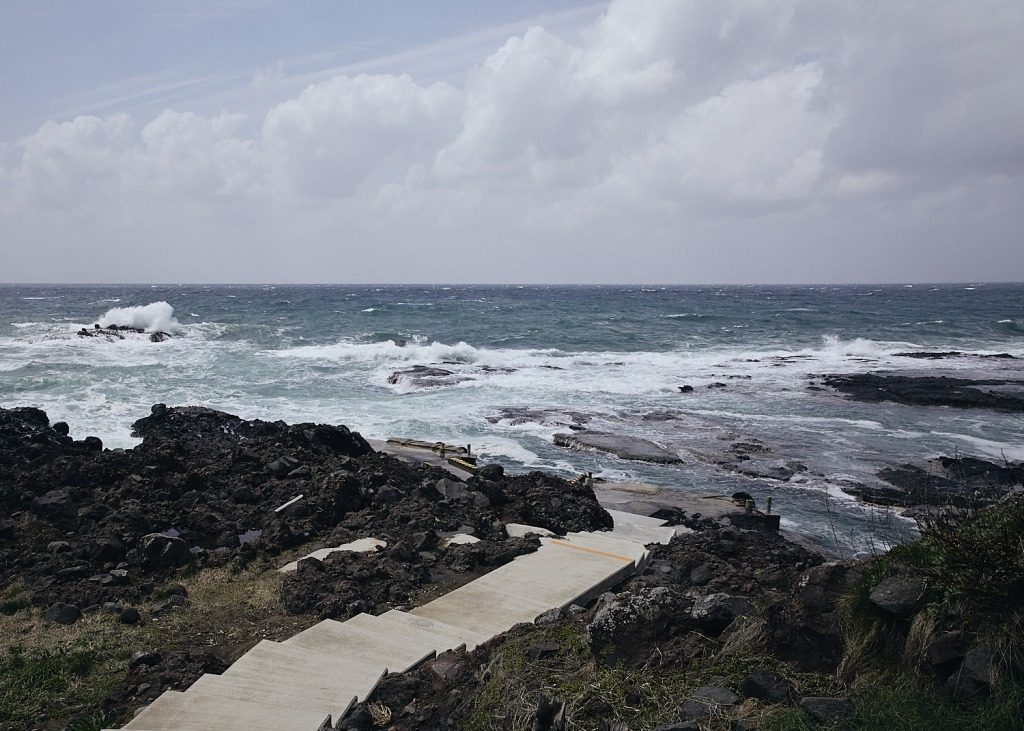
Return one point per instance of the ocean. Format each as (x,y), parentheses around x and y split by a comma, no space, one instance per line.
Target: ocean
(526,362)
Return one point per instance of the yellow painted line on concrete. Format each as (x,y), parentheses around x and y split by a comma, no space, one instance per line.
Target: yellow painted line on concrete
(592,550)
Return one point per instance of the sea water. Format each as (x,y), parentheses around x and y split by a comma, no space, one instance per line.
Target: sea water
(613,357)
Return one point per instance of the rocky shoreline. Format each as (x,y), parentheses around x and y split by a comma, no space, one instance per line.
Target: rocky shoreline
(730,626)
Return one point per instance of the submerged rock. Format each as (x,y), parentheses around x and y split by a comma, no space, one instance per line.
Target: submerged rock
(625,447)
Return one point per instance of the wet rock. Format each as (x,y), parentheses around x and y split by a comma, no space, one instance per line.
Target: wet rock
(686,389)
(899,596)
(420,375)
(625,447)
(825,710)
(778,470)
(548,417)
(63,613)
(92,444)
(964,393)
(491,472)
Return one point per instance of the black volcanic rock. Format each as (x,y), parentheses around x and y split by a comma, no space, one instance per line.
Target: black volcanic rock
(202,480)
(963,393)
(947,481)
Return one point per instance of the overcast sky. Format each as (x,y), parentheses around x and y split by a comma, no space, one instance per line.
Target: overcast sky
(662,141)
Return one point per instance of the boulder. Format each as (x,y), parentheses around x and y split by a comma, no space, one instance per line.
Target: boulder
(825,710)
(107,550)
(766,685)
(899,596)
(129,615)
(425,376)
(714,612)
(160,551)
(706,700)
(550,715)
(62,613)
(490,472)
(975,675)
(631,621)
(459,492)
(56,505)
(946,648)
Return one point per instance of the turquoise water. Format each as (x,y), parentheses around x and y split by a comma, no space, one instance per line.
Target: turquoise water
(610,355)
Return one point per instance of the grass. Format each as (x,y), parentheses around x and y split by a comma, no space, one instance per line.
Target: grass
(14,598)
(639,697)
(50,673)
(899,703)
(35,681)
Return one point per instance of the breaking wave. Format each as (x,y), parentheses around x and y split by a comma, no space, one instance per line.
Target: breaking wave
(154,317)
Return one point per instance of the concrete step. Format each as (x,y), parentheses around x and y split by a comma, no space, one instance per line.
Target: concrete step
(623,518)
(482,610)
(605,543)
(320,671)
(353,675)
(645,534)
(174,711)
(414,629)
(400,646)
(561,572)
(283,690)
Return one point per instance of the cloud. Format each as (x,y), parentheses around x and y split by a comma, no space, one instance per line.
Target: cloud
(727,121)
(338,133)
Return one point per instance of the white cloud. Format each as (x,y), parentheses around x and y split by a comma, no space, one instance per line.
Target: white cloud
(660,117)
(339,133)
(757,141)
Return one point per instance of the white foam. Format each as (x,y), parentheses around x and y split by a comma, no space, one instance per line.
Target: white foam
(988,447)
(154,317)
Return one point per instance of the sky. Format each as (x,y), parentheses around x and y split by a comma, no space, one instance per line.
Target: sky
(656,141)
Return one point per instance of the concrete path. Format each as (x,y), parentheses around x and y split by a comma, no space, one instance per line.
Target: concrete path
(314,677)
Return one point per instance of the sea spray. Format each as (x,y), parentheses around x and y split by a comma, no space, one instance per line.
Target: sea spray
(154,317)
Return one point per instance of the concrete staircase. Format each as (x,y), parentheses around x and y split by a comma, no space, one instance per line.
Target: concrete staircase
(303,683)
